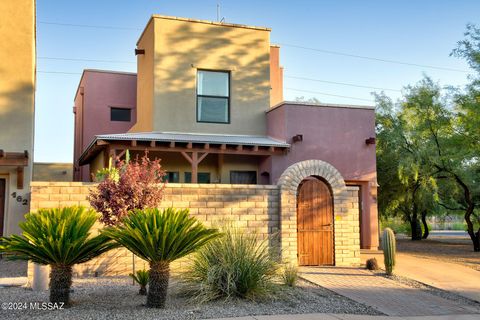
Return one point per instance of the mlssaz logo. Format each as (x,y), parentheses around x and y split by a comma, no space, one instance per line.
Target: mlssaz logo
(46,305)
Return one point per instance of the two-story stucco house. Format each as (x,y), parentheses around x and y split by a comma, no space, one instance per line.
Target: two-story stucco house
(208,100)
(17,94)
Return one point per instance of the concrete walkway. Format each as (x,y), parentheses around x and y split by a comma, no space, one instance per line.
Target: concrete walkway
(447,276)
(385,295)
(323,316)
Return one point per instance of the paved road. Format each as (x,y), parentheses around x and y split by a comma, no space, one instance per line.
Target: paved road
(449,233)
(447,276)
(385,295)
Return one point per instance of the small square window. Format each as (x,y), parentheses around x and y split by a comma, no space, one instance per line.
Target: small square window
(243,177)
(172,177)
(213,96)
(120,114)
(202,177)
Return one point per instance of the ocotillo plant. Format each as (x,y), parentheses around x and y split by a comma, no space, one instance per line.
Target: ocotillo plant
(388,246)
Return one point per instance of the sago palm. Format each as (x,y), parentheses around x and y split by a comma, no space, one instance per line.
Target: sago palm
(160,237)
(60,238)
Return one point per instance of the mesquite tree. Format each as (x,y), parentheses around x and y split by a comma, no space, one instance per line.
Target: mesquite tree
(406,187)
(437,135)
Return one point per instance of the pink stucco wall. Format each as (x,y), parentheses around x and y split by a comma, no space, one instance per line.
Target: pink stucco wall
(335,134)
(99,91)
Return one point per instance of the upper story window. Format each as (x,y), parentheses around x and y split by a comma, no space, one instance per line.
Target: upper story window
(213,96)
(120,114)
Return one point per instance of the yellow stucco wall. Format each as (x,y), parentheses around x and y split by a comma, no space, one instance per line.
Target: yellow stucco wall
(175,162)
(179,48)
(97,164)
(17,88)
(43,171)
(145,81)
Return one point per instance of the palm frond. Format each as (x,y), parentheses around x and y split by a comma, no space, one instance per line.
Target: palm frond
(161,236)
(59,236)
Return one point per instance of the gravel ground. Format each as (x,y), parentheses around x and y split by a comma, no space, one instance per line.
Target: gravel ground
(431,290)
(117,298)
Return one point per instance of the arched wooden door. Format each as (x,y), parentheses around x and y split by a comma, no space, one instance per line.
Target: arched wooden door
(314,223)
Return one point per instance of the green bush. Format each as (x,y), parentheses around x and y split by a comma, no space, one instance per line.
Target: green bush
(235,265)
(398,226)
(290,275)
(141,277)
(459,226)
(60,238)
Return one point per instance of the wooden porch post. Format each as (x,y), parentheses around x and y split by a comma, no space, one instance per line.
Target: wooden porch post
(220,166)
(194,160)
(194,167)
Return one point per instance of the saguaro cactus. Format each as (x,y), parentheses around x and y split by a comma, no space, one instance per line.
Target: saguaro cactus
(388,246)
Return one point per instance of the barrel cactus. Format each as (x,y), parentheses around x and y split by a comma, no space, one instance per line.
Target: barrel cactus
(388,246)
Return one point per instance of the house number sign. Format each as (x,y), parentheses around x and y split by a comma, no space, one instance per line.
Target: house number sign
(19,198)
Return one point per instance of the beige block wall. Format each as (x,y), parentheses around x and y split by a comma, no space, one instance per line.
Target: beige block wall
(17,95)
(175,49)
(249,207)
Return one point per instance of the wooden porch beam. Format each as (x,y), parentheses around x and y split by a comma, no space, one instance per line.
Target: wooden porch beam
(194,161)
(102,143)
(186,156)
(266,151)
(152,143)
(20,175)
(121,154)
(202,157)
(172,144)
(134,143)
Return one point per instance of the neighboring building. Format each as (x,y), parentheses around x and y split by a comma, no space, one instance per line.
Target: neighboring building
(105,102)
(209,103)
(17,100)
(48,171)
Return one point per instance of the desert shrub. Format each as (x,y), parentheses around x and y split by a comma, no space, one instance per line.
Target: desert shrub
(130,185)
(372,264)
(141,277)
(290,275)
(397,225)
(235,265)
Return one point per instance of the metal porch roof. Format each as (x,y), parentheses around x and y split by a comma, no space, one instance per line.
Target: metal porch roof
(196,138)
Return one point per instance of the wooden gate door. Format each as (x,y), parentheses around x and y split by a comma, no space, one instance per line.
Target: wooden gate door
(314,223)
(2,204)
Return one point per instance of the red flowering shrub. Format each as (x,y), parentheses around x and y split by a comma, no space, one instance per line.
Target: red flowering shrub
(130,185)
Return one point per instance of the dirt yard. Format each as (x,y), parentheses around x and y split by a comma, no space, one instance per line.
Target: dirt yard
(451,250)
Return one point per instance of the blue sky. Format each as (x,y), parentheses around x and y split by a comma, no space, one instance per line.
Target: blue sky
(419,32)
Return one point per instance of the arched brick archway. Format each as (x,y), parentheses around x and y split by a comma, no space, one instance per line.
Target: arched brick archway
(345,203)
